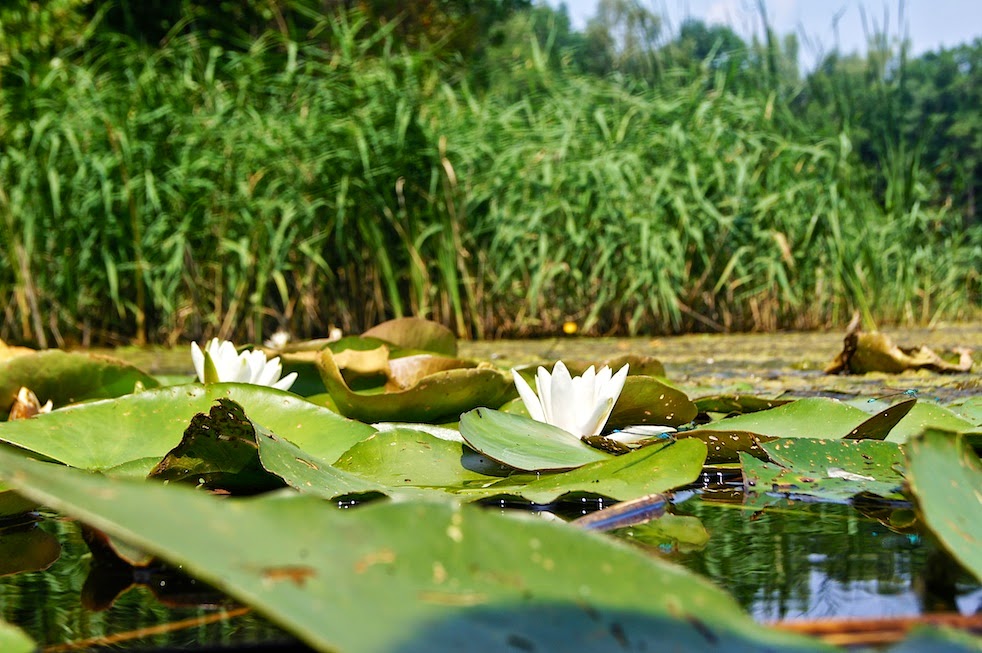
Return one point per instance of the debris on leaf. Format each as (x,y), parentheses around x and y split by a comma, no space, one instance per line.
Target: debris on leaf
(26,404)
(876,352)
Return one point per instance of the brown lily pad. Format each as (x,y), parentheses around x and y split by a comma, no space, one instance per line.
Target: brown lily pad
(875,352)
(416,333)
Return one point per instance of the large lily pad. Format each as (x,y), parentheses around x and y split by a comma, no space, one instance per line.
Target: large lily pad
(438,397)
(68,377)
(137,430)
(945,476)
(416,333)
(437,576)
(725,446)
(827,469)
(815,417)
(737,403)
(524,443)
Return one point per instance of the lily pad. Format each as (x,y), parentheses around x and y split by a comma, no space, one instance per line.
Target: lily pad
(438,397)
(524,443)
(439,577)
(416,333)
(68,377)
(725,446)
(219,451)
(667,534)
(311,475)
(646,400)
(12,503)
(736,403)
(13,639)
(26,548)
(833,470)
(137,430)
(649,470)
(875,352)
(814,417)
(945,476)
(927,415)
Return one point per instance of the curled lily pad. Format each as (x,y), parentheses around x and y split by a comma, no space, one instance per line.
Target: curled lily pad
(945,476)
(434,398)
(416,333)
(524,443)
(875,352)
(137,430)
(219,451)
(925,416)
(646,400)
(68,377)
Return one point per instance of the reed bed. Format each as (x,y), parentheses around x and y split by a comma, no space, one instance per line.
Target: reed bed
(153,195)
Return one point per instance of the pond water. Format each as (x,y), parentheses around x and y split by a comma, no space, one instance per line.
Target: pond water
(780,559)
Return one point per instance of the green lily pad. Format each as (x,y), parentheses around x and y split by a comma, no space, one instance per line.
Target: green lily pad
(416,333)
(833,470)
(219,451)
(524,443)
(132,433)
(927,415)
(667,534)
(26,548)
(880,425)
(649,470)
(725,446)
(68,377)
(12,503)
(970,409)
(815,417)
(646,400)
(437,576)
(438,397)
(945,476)
(736,403)
(311,475)
(13,639)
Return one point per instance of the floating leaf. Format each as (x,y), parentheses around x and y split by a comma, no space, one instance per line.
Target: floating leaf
(880,425)
(524,443)
(66,378)
(667,534)
(407,371)
(219,451)
(815,417)
(945,476)
(725,446)
(415,333)
(827,469)
(649,470)
(26,548)
(438,577)
(736,403)
(646,400)
(13,640)
(439,397)
(926,416)
(309,474)
(875,352)
(137,430)
(12,503)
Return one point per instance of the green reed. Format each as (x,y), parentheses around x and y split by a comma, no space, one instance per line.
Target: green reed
(154,195)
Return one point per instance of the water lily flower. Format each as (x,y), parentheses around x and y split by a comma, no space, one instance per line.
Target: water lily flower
(219,362)
(578,405)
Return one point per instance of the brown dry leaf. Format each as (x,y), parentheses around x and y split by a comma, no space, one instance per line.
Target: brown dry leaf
(876,352)
(26,404)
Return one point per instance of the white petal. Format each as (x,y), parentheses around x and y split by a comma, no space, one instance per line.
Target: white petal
(561,403)
(543,385)
(286,382)
(529,398)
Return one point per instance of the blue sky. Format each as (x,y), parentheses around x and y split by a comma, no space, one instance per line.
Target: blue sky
(930,24)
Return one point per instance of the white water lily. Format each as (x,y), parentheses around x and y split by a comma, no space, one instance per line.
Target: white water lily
(219,362)
(579,405)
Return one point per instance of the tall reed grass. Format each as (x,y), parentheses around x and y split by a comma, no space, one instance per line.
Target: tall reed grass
(153,195)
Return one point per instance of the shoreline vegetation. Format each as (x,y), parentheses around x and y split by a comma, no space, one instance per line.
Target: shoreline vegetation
(195,175)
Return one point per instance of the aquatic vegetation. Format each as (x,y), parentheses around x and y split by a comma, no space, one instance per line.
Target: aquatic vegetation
(221,363)
(418,549)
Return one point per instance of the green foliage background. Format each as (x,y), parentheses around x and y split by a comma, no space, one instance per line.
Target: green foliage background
(196,169)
